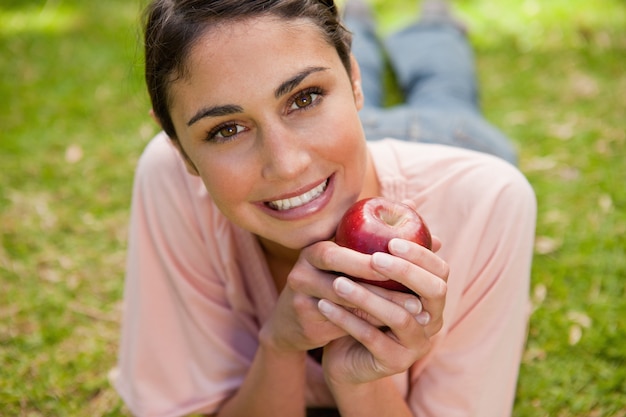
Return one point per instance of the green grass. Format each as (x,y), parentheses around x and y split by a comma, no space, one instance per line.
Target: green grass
(74,119)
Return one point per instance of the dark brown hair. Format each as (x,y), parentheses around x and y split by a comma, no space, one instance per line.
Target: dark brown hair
(172,27)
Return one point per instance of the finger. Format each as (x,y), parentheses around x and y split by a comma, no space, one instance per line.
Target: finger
(306,279)
(372,337)
(328,256)
(436,243)
(398,319)
(421,256)
(409,302)
(311,284)
(305,286)
(420,280)
(323,289)
(431,288)
(404,333)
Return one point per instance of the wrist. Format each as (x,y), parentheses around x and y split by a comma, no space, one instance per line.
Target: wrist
(275,384)
(277,348)
(379,398)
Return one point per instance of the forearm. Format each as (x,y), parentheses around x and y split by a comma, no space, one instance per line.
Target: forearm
(274,386)
(380,398)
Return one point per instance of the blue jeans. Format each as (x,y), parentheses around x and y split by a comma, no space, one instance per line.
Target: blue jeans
(434,66)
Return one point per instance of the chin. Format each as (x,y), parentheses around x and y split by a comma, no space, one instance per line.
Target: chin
(304,238)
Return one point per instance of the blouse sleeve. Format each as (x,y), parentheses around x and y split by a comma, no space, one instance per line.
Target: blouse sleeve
(486,219)
(184,348)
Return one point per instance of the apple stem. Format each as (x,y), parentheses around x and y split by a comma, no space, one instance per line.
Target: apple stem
(391,217)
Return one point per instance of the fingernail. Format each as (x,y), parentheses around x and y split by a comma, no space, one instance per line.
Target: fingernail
(399,246)
(423,318)
(413,306)
(381,259)
(324,307)
(344,286)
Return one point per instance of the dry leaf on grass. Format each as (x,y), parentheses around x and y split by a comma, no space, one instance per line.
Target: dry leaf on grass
(73,154)
(545,245)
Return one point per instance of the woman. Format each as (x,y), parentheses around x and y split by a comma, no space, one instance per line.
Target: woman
(234,210)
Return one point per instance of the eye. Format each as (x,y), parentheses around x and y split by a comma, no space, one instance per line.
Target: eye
(306,99)
(225,132)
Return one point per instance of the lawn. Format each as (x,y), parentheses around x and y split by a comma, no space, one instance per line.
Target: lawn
(74,119)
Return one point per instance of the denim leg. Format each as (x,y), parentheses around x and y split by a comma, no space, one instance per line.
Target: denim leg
(367,50)
(464,129)
(435,68)
(434,65)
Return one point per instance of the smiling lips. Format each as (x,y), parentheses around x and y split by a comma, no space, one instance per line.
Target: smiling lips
(300,200)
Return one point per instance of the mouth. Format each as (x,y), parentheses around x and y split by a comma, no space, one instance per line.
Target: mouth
(299,200)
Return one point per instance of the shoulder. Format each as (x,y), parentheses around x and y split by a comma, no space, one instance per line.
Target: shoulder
(420,157)
(449,184)
(430,167)
(161,169)
(160,155)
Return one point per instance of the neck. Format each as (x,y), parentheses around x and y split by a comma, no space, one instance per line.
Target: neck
(280,260)
(277,251)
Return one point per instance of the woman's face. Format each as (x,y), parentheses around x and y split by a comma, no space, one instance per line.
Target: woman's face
(268,116)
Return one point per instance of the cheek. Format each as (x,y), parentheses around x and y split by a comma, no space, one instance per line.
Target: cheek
(225,185)
(348,136)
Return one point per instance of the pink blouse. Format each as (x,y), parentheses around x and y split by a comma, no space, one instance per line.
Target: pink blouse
(198,288)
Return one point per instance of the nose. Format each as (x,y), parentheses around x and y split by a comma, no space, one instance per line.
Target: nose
(285,153)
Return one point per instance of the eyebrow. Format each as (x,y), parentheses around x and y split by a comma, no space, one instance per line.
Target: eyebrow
(228,109)
(293,82)
(215,111)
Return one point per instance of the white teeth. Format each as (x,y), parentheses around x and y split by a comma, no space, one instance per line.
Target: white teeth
(300,200)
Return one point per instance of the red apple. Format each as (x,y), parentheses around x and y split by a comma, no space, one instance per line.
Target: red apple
(370,224)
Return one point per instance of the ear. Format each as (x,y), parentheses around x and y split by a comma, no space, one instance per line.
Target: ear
(357,88)
(191,168)
(155,118)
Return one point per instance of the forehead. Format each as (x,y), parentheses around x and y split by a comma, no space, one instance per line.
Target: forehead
(246,52)
(234,41)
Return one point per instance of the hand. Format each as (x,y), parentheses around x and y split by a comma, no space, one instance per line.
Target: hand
(371,352)
(296,323)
